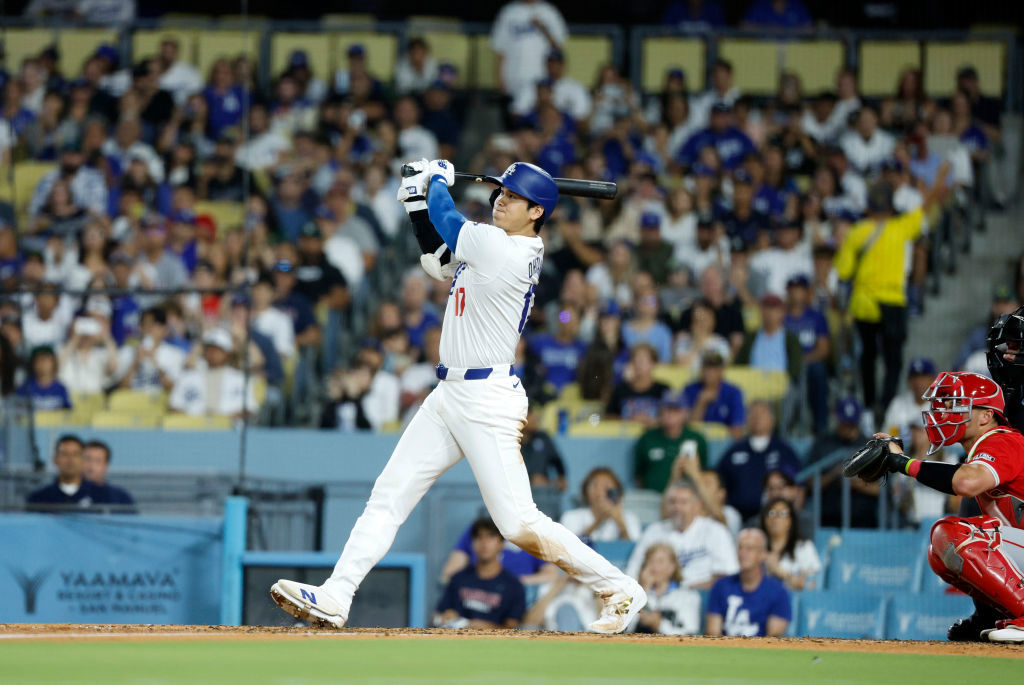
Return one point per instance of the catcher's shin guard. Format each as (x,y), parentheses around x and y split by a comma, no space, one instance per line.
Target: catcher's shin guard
(965,552)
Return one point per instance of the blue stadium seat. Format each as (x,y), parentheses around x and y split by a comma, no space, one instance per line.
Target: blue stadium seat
(616,551)
(791,629)
(875,568)
(837,614)
(925,616)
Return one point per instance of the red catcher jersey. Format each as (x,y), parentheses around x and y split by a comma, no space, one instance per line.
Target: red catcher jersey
(1001,451)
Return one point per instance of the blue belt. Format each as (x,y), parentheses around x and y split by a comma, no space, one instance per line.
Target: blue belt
(443,372)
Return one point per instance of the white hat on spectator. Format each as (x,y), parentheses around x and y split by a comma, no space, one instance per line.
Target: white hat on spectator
(99,305)
(218,337)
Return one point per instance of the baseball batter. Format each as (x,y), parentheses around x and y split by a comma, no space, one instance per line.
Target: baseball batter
(982,556)
(478,409)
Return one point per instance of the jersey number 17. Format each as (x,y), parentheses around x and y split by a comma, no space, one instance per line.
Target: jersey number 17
(527,306)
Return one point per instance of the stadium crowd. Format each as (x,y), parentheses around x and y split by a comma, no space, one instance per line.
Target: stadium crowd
(784,234)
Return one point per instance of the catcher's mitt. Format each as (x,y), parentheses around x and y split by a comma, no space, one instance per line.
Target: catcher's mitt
(872,461)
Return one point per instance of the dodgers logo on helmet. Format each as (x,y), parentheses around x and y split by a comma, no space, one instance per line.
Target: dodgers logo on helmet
(531,182)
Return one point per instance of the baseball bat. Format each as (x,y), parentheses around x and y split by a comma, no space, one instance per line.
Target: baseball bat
(602,190)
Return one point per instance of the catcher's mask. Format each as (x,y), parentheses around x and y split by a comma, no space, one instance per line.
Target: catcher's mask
(951,397)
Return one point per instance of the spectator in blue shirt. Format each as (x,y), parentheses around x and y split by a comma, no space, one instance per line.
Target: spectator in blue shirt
(732,144)
(645,327)
(740,221)
(96,462)
(713,400)
(749,603)
(562,352)
(527,568)
(295,305)
(638,396)
(772,347)
(42,389)
(743,467)
(485,595)
(811,330)
(687,13)
(70,490)
(777,14)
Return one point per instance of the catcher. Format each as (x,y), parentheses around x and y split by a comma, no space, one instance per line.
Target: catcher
(980,555)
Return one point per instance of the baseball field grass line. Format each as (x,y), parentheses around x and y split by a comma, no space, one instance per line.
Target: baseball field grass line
(468,661)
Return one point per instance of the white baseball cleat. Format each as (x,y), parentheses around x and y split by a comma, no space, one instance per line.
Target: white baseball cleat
(308,603)
(619,610)
(1006,631)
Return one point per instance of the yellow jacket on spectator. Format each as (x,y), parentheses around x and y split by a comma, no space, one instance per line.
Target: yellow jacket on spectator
(878,272)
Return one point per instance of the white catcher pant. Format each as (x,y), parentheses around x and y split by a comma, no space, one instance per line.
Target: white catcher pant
(483,421)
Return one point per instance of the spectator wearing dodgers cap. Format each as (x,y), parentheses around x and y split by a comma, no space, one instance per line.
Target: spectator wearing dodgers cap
(904,412)
(214,387)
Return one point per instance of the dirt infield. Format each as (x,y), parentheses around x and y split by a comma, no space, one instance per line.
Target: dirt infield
(75,632)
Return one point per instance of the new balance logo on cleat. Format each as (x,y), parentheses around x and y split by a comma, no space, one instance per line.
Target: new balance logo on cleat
(308,596)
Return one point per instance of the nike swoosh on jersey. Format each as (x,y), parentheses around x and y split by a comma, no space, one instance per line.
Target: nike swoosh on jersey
(516,384)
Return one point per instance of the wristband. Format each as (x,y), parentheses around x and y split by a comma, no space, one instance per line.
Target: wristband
(912,467)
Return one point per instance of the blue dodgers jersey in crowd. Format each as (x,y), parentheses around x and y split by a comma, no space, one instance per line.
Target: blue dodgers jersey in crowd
(560,359)
(746,614)
(807,327)
(727,407)
(51,398)
(732,146)
(742,471)
(489,599)
(512,559)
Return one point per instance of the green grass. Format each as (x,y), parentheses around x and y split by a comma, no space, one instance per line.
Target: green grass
(491,662)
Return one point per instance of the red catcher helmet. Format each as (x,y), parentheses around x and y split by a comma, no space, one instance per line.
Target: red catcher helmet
(951,397)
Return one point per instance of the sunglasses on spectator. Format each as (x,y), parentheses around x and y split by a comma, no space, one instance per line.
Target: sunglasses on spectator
(778,514)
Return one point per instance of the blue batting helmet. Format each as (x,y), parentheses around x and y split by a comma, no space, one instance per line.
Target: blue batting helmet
(531,182)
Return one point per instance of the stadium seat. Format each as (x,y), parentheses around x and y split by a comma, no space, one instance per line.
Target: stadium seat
(924,616)
(659,55)
(20,44)
(758,384)
(943,59)
(875,567)
(605,429)
(711,431)
(451,47)
(48,419)
(213,45)
(226,214)
(868,536)
(184,422)
(645,504)
(118,419)
(585,56)
(882,62)
(84,406)
(18,191)
(616,551)
(147,43)
(675,376)
(381,52)
(755,64)
(135,402)
(316,45)
(484,75)
(842,615)
(816,62)
(78,45)
(794,603)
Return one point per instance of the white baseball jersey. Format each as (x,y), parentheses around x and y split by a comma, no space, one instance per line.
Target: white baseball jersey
(705,549)
(491,296)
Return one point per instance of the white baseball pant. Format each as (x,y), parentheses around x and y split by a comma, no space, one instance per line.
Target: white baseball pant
(483,421)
